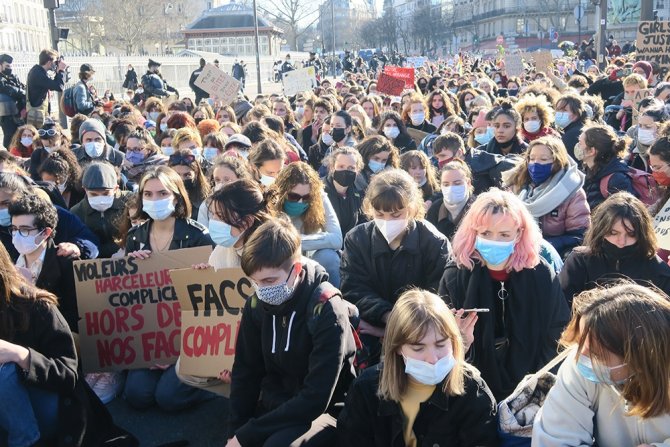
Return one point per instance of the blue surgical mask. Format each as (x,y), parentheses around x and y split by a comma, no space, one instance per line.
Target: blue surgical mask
(484,138)
(135,157)
(539,172)
(428,373)
(196,152)
(295,209)
(210,153)
(494,252)
(159,209)
(376,166)
(5,218)
(94,149)
(604,375)
(220,232)
(562,119)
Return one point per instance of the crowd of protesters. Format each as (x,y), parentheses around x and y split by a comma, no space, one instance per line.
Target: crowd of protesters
(412,257)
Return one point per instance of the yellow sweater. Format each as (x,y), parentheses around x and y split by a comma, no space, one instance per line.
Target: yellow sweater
(414,396)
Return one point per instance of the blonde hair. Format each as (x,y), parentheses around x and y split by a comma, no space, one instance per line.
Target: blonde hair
(414,314)
(186,134)
(392,190)
(538,104)
(635,79)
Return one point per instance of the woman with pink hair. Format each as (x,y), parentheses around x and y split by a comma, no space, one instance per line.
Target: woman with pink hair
(496,265)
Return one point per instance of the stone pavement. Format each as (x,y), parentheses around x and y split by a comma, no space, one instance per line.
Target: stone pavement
(202,426)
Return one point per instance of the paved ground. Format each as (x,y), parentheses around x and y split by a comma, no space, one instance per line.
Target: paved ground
(202,426)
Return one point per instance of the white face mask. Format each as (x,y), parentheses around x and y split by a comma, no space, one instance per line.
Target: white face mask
(167,150)
(454,194)
(427,373)
(327,139)
(531,126)
(159,209)
(49,149)
(94,149)
(163,127)
(646,136)
(266,180)
(26,141)
(101,203)
(391,229)
(391,132)
(61,187)
(196,152)
(25,244)
(417,118)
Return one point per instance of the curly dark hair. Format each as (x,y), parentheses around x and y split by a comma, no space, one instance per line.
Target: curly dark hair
(45,213)
(63,165)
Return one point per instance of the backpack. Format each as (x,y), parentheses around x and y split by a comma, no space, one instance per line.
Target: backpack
(67,102)
(644,185)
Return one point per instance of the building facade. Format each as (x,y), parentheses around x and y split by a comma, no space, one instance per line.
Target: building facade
(349,16)
(229,30)
(478,24)
(24,26)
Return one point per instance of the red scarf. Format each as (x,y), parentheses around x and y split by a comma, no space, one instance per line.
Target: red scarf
(545,131)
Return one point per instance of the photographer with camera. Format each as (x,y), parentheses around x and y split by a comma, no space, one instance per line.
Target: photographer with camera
(12,99)
(40,84)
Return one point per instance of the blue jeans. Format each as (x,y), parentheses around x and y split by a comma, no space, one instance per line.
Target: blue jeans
(329,260)
(145,388)
(27,414)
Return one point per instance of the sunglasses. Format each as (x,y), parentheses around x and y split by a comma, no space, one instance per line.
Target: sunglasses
(181,160)
(47,133)
(293,197)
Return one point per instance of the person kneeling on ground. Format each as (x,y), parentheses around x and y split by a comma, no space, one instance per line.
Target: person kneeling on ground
(295,348)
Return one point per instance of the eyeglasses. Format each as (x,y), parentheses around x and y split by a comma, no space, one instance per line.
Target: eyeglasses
(293,197)
(23,231)
(181,159)
(48,133)
(135,149)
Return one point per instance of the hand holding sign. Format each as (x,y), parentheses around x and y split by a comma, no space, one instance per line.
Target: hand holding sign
(211,302)
(218,84)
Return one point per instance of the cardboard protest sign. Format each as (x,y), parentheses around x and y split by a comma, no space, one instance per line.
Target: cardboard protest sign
(221,86)
(417,135)
(299,80)
(130,315)
(653,44)
(514,65)
(662,226)
(636,99)
(211,302)
(543,61)
(404,73)
(416,62)
(389,85)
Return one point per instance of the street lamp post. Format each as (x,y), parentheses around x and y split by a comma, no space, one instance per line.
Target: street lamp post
(332,27)
(258,57)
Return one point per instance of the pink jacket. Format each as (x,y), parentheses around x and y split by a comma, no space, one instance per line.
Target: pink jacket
(572,215)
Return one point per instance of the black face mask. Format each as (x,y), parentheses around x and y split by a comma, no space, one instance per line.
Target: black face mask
(344,177)
(338,134)
(614,252)
(189,184)
(198,120)
(7,71)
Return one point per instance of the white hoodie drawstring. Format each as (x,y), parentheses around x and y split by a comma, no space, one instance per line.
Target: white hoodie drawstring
(288,338)
(274,334)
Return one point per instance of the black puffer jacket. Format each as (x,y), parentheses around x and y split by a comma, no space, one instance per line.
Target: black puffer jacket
(619,181)
(534,315)
(374,276)
(570,136)
(584,271)
(487,168)
(518,146)
(447,225)
(298,374)
(187,233)
(466,420)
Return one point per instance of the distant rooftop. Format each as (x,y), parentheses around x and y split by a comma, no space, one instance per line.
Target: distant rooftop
(231,15)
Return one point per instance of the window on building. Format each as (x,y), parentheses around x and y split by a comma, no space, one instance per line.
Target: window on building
(520,26)
(564,22)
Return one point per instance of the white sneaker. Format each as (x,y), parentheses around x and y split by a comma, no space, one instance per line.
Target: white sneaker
(107,386)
